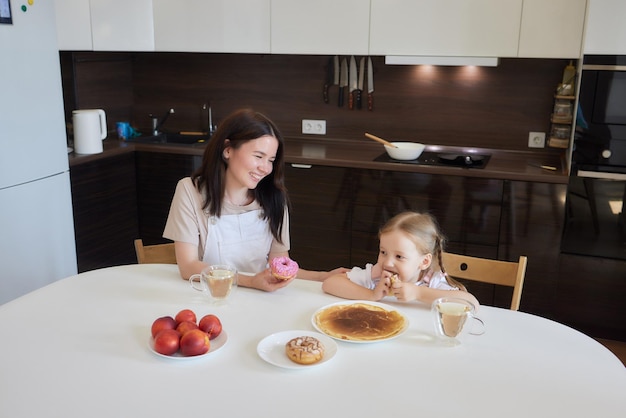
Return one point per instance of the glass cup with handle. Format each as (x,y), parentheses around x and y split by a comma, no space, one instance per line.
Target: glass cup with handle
(218,281)
(451,317)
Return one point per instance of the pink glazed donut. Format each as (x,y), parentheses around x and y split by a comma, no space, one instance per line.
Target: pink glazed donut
(284,268)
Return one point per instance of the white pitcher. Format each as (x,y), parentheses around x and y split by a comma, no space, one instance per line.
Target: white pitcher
(90,129)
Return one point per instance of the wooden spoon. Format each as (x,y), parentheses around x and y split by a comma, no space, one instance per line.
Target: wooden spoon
(382,141)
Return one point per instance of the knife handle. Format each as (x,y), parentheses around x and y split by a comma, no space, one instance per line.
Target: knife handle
(326,93)
(351,100)
(358,99)
(340,100)
(370,101)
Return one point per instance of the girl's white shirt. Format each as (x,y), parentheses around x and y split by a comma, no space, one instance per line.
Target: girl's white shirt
(363,277)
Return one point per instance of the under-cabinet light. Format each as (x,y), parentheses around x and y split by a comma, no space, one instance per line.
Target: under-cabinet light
(452,61)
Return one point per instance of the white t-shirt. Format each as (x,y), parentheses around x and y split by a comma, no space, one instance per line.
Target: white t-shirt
(363,277)
(188,222)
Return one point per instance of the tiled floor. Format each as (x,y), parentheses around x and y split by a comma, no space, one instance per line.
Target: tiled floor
(617,347)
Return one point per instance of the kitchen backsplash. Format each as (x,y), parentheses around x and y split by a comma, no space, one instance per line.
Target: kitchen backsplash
(489,107)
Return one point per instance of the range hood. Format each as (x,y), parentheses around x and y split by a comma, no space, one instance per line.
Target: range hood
(441,60)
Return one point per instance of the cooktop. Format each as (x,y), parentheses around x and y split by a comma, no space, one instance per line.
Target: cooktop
(442,159)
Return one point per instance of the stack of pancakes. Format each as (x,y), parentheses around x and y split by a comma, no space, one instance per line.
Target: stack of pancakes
(359,322)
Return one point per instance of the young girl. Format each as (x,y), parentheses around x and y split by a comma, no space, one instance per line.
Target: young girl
(409,266)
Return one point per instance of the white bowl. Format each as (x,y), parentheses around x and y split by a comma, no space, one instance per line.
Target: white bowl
(405,151)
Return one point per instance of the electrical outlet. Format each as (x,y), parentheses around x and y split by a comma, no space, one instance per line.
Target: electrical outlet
(313,127)
(536,139)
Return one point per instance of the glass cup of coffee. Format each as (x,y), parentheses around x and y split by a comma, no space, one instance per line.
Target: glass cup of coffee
(451,317)
(216,281)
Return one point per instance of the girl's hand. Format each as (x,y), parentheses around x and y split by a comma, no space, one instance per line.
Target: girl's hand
(389,279)
(405,292)
(326,274)
(382,289)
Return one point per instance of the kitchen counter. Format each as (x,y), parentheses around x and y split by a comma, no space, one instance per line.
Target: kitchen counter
(504,165)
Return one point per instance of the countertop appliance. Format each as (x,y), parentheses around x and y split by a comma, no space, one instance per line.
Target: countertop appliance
(600,136)
(36,221)
(595,223)
(90,129)
(464,160)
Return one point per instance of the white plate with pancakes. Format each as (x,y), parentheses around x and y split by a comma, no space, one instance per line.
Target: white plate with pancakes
(359,321)
(272,348)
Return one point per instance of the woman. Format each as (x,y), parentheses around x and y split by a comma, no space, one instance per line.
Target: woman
(234,208)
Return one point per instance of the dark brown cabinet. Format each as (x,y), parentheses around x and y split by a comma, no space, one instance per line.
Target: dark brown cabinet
(320,217)
(337,212)
(157,176)
(104,199)
(531,226)
(591,294)
(468,210)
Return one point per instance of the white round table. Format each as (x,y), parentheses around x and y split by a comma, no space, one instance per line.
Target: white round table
(79,348)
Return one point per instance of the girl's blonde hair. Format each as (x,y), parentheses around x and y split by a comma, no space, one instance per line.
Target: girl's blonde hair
(423,230)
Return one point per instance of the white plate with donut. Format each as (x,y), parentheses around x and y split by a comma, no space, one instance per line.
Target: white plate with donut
(273,348)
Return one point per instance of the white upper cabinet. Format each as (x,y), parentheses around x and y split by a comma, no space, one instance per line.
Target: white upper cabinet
(320,27)
(73,21)
(241,26)
(606,27)
(472,28)
(484,28)
(552,28)
(122,25)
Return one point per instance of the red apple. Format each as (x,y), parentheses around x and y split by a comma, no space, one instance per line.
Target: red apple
(164,322)
(194,343)
(167,342)
(211,325)
(186,326)
(185,315)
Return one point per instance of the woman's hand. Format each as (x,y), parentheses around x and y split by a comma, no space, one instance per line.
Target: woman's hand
(264,280)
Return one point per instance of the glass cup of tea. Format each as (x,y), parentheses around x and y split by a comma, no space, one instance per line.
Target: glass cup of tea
(451,317)
(217,281)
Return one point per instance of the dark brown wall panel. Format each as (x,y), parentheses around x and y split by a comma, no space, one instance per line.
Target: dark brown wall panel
(464,106)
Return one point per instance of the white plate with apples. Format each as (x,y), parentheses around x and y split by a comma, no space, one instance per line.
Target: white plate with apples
(216,344)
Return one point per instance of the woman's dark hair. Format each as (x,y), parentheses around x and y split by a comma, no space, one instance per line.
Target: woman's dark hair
(238,128)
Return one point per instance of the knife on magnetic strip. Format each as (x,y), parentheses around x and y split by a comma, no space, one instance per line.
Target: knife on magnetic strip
(353,82)
(359,89)
(343,81)
(330,77)
(370,84)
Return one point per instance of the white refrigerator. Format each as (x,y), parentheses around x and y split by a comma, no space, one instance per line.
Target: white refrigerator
(37,245)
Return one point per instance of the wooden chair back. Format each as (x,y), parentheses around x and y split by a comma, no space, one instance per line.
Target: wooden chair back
(159,253)
(503,273)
